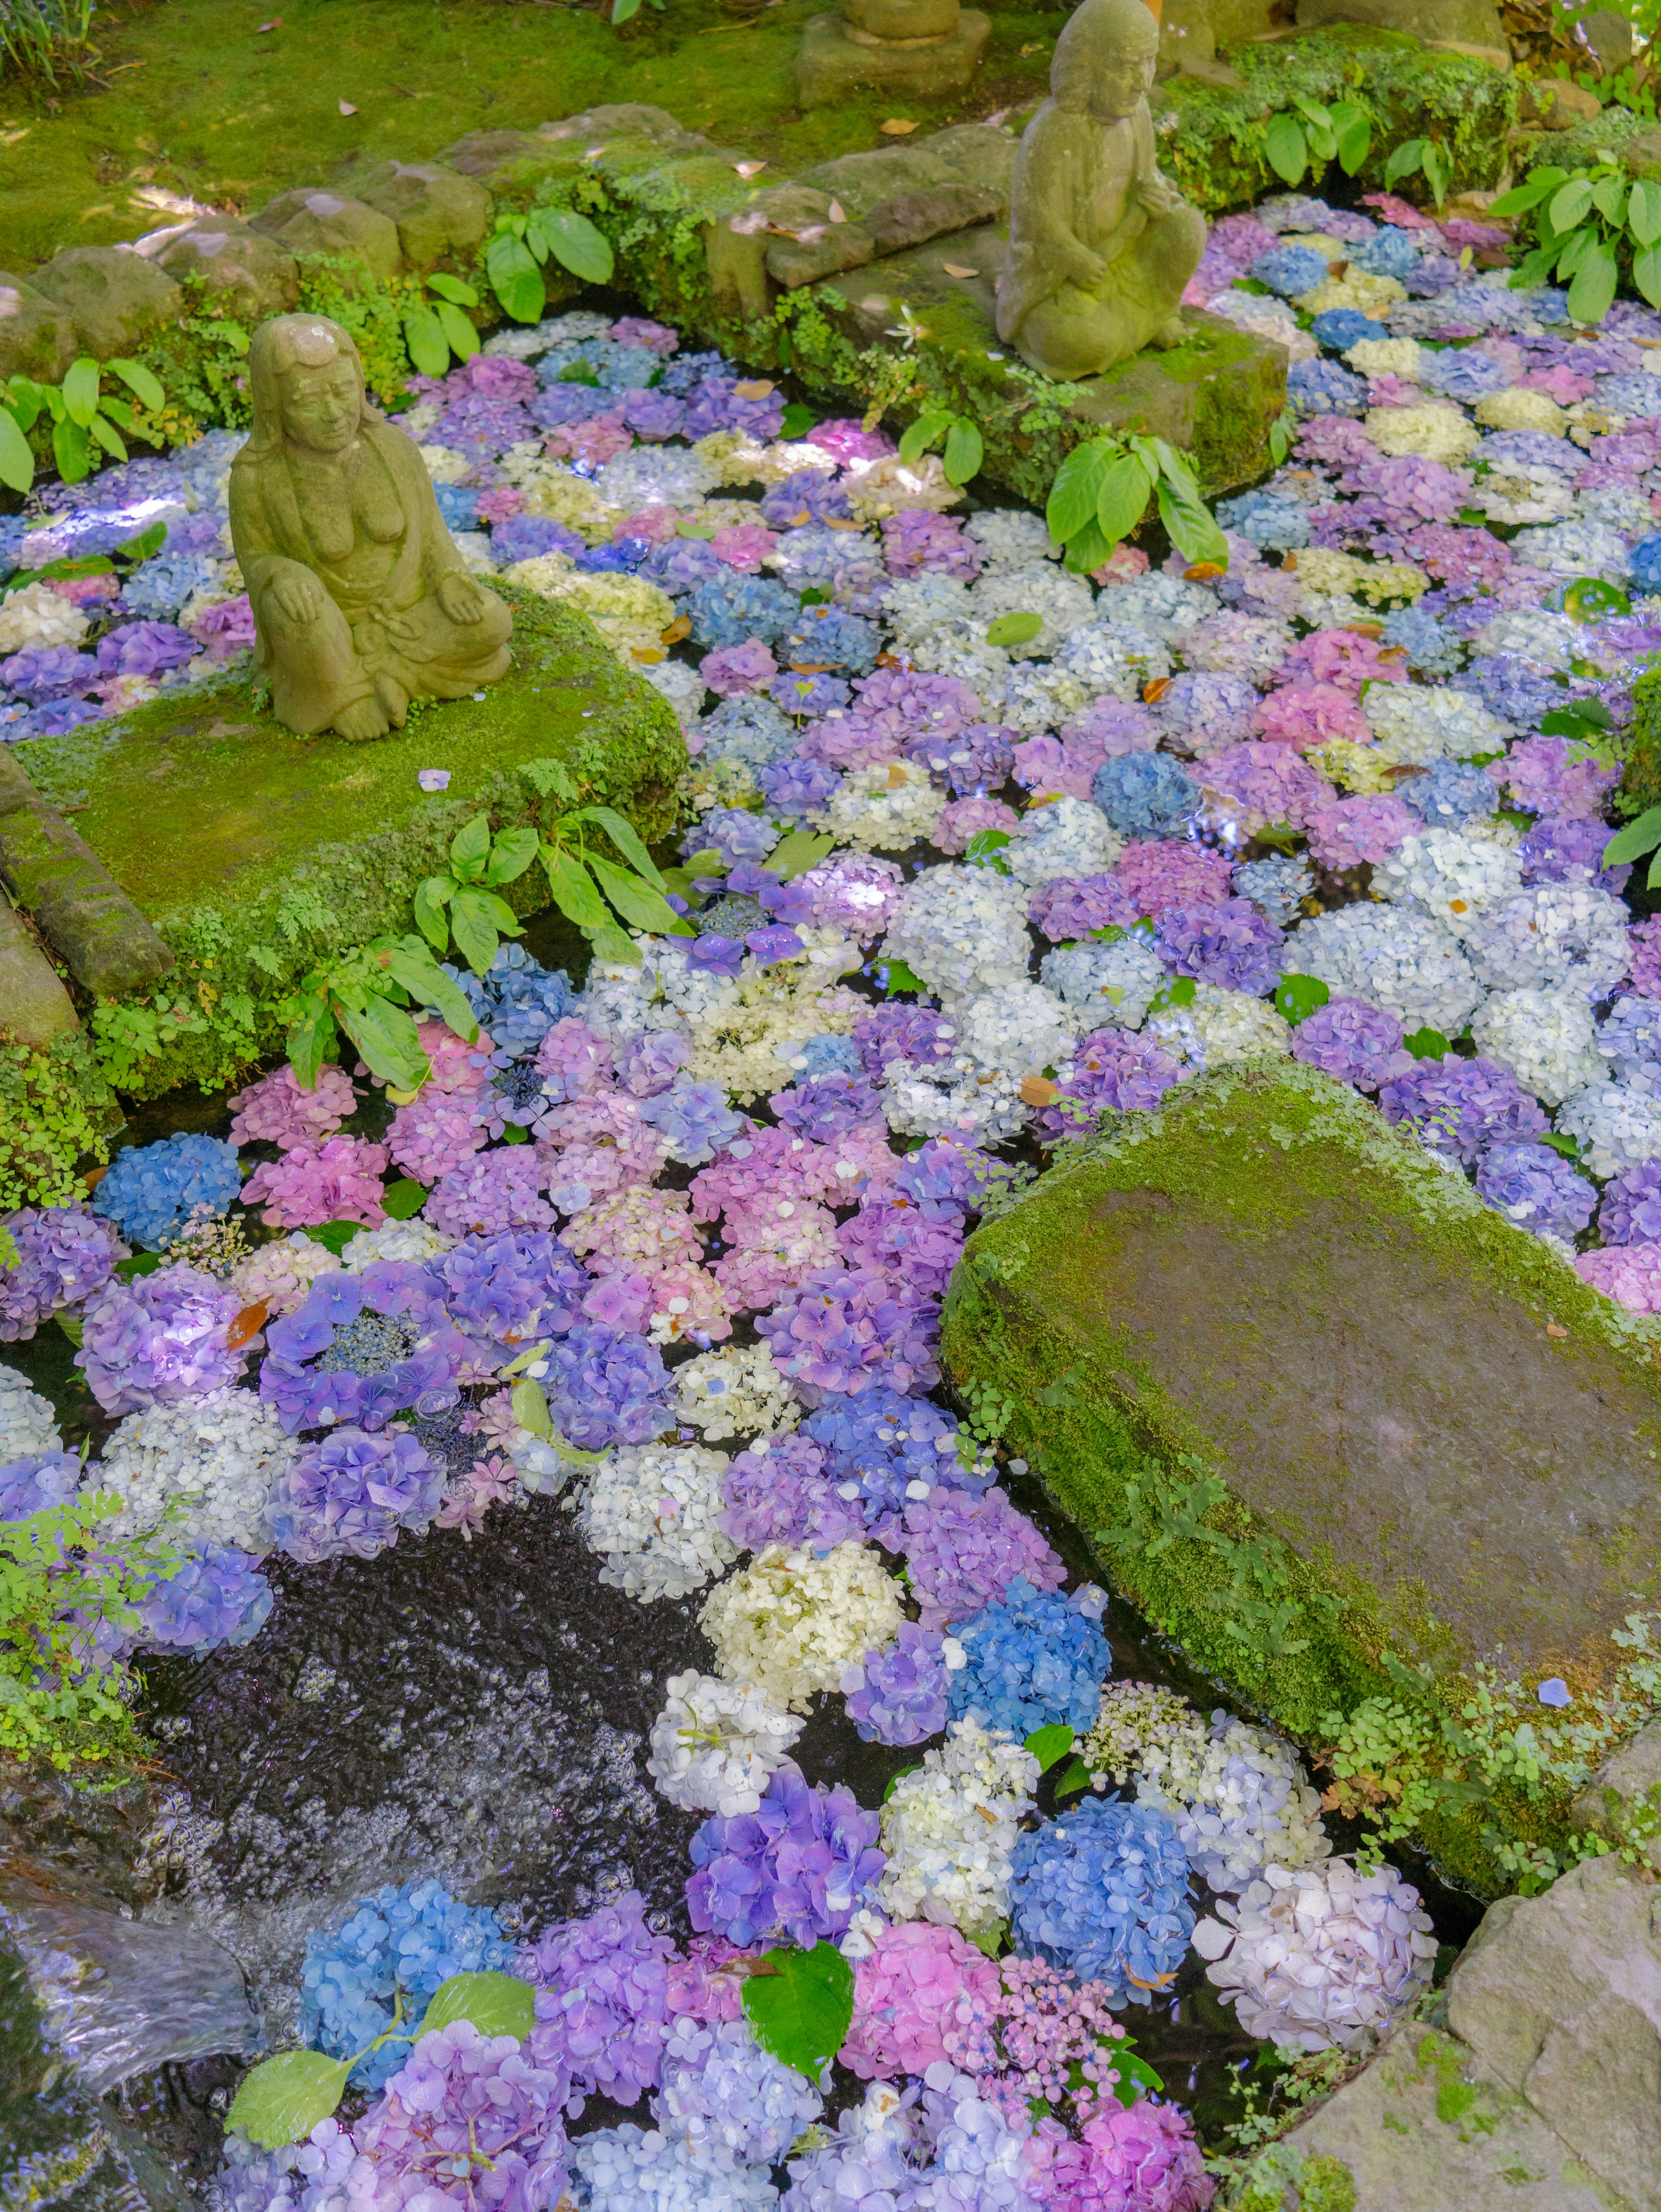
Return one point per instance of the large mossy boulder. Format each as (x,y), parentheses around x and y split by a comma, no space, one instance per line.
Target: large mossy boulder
(1314,1404)
(114,300)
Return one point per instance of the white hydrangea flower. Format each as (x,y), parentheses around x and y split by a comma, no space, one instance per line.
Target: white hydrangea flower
(621,1001)
(28,1425)
(1547,1039)
(1448,874)
(748,1043)
(1553,937)
(1616,1127)
(1161,606)
(35,615)
(214,1459)
(792,1621)
(1012,536)
(1433,433)
(949,1827)
(1038,696)
(628,2169)
(1512,494)
(561,497)
(1408,963)
(957,648)
(1268,317)
(1516,407)
(1062,837)
(1243,1804)
(919,603)
(1141,1726)
(1321,1957)
(1106,982)
(1629,1039)
(1578,548)
(985,1108)
(736,1392)
(444,463)
(656,476)
(682,687)
(1549,641)
(716,1743)
(1415,724)
(1017,1031)
(1251,646)
(1064,603)
(1619,507)
(963,931)
(654,1511)
(409,1243)
(1112,658)
(723,2096)
(883,808)
(1217,1026)
(1401,357)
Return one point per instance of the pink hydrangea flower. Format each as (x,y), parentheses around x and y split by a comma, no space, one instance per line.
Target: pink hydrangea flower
(435,1133)
(733,669)
(501,504)
(222,629)
(277,1110)
(773,1242)
(965,819)
(1140,2157)
(469,1497)
(489,1193)
(1644,939)
(1344,832)
(1344,659)
(688,1306)
(1560,383)
(1258,783)
(78,590)
(456,1064)
(1628,1273)
(1159,872)
(321,1179)
(847,439)
(922,1995)
(637,331)
(1122,566)
(637,1228)
(656,524)
(744,548)
(1306,716)
(596,441)
(575,1062)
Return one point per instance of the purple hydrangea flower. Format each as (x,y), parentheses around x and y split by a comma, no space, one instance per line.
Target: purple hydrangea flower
(807,496)
(36,1484)
(897,1035)
(899,1696)
(652,1060)
(917,1246)
(1230,945)
(801,1866)
(352,1493)
(1462,1107)
(1554,849)
(514,1287)
(216,1596)
(795,787)
(1070,907)
(682,564)
(853,892)
(159,1338)
(602,2000)
(144,649)
(1206,712)
(525,536)
(1110,1069)
(40,672)
(694,1119)
(970,763)
(151,1191)
(824,1107)
(808,694)
(1511,689)
(1360,1045)
(490,1193)
(55,719)
(775,942)
(917,540)
(964,1553)
(1631,1211)
(64,1254)
(717,955)
(781,1493)
(1535,1187)
(654,415)
(838,1330)
(883,1443)
(733,832)
(331,1362)
(605,1387)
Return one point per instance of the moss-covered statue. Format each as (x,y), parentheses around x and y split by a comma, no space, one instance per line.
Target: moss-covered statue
(1101,246)
(360,600)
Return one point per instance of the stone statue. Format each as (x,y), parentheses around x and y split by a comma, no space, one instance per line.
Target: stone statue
(360,600)
(1101,246)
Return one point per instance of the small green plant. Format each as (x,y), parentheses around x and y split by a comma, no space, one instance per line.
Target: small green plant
(1308,136)
(39,38)
(521,243)
(435,329)
(964,448)
(1424,157)
(1101,493)
(462,901)
(1581,218)
(83,416)
(368,995)
(1639,837)
(586,886)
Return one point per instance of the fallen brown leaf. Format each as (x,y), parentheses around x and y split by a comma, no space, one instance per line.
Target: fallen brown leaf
(248,1323)
(748,169)
(1039,1090)
(680,627)
(956,269)
(346,108)
(1552,1329)
(837,212)
(895,128)
(1203,571)
(754,388)
(1156,689)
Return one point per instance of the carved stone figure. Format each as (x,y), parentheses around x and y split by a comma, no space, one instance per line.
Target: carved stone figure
(1100,244)
(360,600)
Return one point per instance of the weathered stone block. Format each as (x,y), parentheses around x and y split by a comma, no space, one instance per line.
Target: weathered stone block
(1623,1801)
(309,221)
(37,336)
(829,64)
(1466,22)
(439,212)
(114,300)
(34,1004)
(969,153)
(913,218)
(247,274)
(1455,1438)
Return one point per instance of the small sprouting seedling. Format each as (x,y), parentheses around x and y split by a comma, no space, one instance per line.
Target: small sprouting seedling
(521,243)
(966,449)
(463,900)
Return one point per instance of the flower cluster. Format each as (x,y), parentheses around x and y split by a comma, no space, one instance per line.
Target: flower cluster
(800,1865)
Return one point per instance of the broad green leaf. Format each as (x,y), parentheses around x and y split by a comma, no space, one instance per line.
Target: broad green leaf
(452,289)
(496,2004)
(1589,598)
(410,964)
(894,976)
(1136,2077)
(284,2097)
(515,278)
(1608,196)
(81,391)
(108,436)
(1078,488)
(623,11)
(965,450)
(1122,501)
(430,900)
(1521,199)
(801,2011)
(1428,1044)
(511,854)
(1076,1776)
(1050,1745)
(141,1263)
(1297,997)
(144,386)
(1578,721)
(624,834)
(529,1407)
(147,542)
(1354,127)
(402,1199)
(476,924)
(1407,158)
(1437,175)
(1321,145)
(985,850)
(1644,211)
(1087,549)
(637,901)
(1647,274)
(335,1236)
(388,1040)
(1014,629)
(1533,268)
(1179,992)
(918,436)
(71,1325)
(471,844)
(572,889)
(311,1040)
(794,855)
(71,451)
(1321,117)
(1285,148)
(991,1940)
(428,345)
(1592,292)
(798,419)
(16,461)
(895,1780)
(575,243)
(1652,881)
(459,331)
(1192,526)
(1637,838)
(1569,203)
(1566,1146)
(611,943)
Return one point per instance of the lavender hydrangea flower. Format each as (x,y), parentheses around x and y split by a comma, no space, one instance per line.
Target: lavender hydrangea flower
(514,1287)
(64,1254)
(1511,689)
(795,788)
(607,1386)
(602,2000)
(525,536)
(41,673)
(1450,794)
(1230,945)
(694,1120)
(969,762)
(837,1331)
(1068,908)
(1034,1658)
(352,1493)
(492,1193)
(1555,850)
(216,1596)
(1277,887)
(826,1107)
(781,1492)
(1113,1069)
(898,1035)
(1360,1045)
(1462,1107)
(144,649)
(964,1553)
(37,1483)
(808,694)
(654,415)
(1145,794)
(1206,712)
(882,1443)
(460,2105)
(652,1060)
(801,1866)
(158,1339)
(151,1191)
(1631,1211)
(733,832)
(806,496)
(1535,1187)
(1103,1892)
(899,1696)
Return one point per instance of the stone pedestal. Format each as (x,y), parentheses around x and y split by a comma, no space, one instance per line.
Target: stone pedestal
(839,55)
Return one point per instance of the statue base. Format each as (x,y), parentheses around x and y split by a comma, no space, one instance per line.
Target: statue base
(830,62)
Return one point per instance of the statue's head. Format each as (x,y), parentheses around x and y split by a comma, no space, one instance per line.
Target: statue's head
(1105,59)
(308,384)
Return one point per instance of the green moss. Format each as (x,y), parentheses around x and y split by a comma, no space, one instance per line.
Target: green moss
(256,853)
(56,1113)
(1639,787)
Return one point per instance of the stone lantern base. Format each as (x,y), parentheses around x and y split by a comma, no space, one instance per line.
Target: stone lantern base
(836,58)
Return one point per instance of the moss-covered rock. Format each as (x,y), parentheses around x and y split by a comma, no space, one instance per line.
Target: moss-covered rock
(1640,787)
(257,854)
(1434,1441)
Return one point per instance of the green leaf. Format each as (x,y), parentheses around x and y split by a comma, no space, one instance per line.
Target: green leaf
(476,924)
(895,1780)
(1285,148)
(1077,490)
(1297,997)
(1050,1745)
(530,1409)
(71,1324)
(471,846)
(1608,196)
(1014,629)
(1647,274)
(1644,211)
(918,436)
(402,1199)
(985,850)
(1319,116)
(797,421)
(1122,501)
(611,943)
(1578,720)
(410,964)
(1428,1044)
(1136,2077)
(1088,551)
(637,901)
(1568,1146)
(802,2010)
(335,1236)
(965,450)
(452,288)
(1533,268)
(496,2004)
(1570,202)
(459,331)
(425,336)
(575,243)
(1407,158)
(388,1041)
(515,278)
(511,854)
(989,1940)
(1076,1776)
(1520,199)
(1437,174)
(284,2097)
(1353,128)
(144,384)
(72,450)
(147,542)
(894,976)
(572,889)
(624,10)
(1638,837)
(1592,292)
(81,391)
(431,897)
(108,436)
(1179,992)
(794,855)
(141,1263)
(624,834)
(1192,527)
(16,461)
(311,1040)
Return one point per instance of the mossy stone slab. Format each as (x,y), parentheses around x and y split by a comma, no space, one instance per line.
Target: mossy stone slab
(1455,1436)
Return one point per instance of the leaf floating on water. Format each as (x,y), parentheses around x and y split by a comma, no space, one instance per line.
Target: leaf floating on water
(247,1325)
(895,128)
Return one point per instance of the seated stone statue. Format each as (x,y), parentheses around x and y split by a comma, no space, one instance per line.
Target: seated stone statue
(1100,245)
(360,600)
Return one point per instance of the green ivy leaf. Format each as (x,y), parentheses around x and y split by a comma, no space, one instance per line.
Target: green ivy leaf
(802,2010)
(431,897)
(985,850)
(1437,175)
(989,1940)
(470,849)
(1297,997)
(403,1198)
(283,2099)
(147,542)
(311,1039)
(496,2004)
(1088,551)
(1428,1044)
(1589,598)
(1521,198)
(1014,629)
(637,901)
(624,834)
(388,1040)
(1644,211)
(1050,1745)
(1354,127)
(1193,528)
(573,893)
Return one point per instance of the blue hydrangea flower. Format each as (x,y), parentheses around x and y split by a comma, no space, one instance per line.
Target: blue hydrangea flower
(216,1596)
(621,556)
(1145,794)
(1340,328)
(694,1120)
(1428,645)
(1536,1188)
(1103,1892)
(524,537)
(732,831)
(843,642)
(1033,1658)
(1290,270)
(727,608)
(520,1000)
(827,1055)
(1450,794)
(1276,887)
(1321,387)
(408,1940)
(151,1191)
(460,508)
(750,732)
(1389,253)
(37,1483)
(1507,686)
(882,1442)
(685,371)
(1278,524)
(157,589)
(807,694)
(1644,561)
(55,719)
